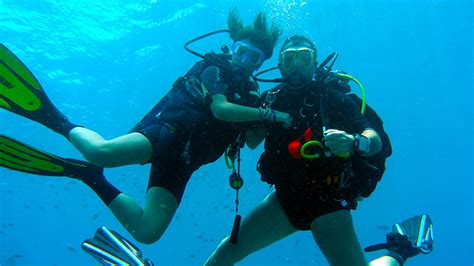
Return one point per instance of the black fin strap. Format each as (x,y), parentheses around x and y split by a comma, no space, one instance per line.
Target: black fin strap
(396,256)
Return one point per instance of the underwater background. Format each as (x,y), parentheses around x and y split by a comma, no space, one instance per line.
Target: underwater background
(106,63)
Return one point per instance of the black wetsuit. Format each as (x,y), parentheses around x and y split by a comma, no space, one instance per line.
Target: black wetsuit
(308,189)
(187,135)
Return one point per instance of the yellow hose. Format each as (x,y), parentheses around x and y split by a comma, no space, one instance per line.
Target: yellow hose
(345,76)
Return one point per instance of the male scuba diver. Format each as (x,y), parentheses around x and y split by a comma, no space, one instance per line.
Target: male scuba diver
(332,156)
(196,121)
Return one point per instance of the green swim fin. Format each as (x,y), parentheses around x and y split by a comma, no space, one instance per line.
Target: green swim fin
(23,158)
(22,94)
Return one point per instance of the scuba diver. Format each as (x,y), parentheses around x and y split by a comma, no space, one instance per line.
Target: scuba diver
(191,126)
(332,156)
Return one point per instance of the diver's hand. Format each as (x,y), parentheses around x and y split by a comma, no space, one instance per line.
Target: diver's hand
(284,118)
(272,116)
(339,142)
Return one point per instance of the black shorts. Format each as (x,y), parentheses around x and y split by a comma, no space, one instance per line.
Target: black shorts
(172,175)
(169,168)
(304,203)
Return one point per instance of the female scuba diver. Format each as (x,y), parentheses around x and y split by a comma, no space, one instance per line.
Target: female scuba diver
(203,114)
(315,184)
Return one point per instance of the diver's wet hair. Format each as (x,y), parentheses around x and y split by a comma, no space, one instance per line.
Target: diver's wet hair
(258,33)
(297,40)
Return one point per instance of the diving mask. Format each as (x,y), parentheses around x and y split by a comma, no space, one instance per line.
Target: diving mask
(248,53)
(306,57)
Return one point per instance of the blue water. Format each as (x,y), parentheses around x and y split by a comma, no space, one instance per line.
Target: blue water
(105,63)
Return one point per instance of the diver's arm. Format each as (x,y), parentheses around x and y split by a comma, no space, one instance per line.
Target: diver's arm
(230,112)
(341,142)
(254,136)
(346,110)
(375,141)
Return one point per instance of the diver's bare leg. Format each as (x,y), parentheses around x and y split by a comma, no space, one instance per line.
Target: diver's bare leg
(265,224)
(384,261)
(146,225)
(335,235)
(133,148)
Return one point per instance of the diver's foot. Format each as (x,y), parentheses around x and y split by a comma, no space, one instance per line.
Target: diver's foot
(24,158)
(401,247)
(408,238)
(93,176)
(58,122)
(88,171)
(21,157)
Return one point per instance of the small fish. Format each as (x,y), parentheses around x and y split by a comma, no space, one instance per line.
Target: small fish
(382,227)
(71,248)
(17,256)
(95,216)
